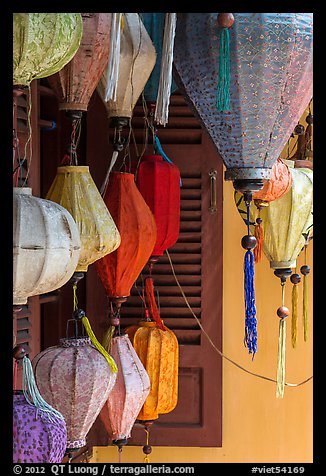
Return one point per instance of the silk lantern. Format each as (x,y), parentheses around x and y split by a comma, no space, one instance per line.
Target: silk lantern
(75,83)
(74,188)
(43,43)
(76,379)
(248,76)
(131,389)
(119,270)
(158,350)
(46,245)
(39,431)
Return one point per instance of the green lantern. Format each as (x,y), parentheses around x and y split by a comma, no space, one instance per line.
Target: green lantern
(43,43)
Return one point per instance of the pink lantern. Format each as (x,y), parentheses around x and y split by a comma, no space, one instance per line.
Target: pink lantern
(128,394)
(76,379)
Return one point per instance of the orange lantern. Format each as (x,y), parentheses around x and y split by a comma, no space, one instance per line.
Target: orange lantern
(158,351)
(119,270)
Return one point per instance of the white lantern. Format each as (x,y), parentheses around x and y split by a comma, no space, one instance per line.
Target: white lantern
(46,245)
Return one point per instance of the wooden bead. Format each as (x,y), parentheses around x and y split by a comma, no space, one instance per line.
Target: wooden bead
(305,269)
(309,119)
(19,352)
(295,278)
(283,312)
(115,321)
(299,129)
(248,242)
(147,449)
(225,20)
(259,221)
(79,314)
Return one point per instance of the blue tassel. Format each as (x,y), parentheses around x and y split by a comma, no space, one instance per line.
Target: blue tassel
(250,339)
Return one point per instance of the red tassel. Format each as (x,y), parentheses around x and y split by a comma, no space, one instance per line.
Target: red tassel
(259,235)
(149,288)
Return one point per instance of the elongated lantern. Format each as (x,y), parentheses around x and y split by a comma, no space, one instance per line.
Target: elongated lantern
(159,184)
(119,270)
(128,394)
(39,431)
(43,43)
(76,379)
(136,62)
(46,245)
(74,188)
(75,83)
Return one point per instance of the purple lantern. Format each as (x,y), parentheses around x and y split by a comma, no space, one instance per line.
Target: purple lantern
(38,436)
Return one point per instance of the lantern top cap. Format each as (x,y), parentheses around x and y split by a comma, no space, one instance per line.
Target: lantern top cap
(22,190)
(73,168)
(126,175)
(74,341)
(153,157)
(148,323)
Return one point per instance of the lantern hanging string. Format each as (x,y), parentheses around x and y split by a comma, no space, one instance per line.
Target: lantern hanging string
(216,348)
(294,320)
(280,378)
(29,138)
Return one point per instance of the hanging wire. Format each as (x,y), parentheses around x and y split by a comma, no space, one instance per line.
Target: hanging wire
(216,348)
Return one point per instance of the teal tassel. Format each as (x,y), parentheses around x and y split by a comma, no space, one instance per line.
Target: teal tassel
(223,88)
(32,394)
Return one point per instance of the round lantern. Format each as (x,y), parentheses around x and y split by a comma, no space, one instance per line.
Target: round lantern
(128,394)
(159,184)
(119,270)
(46,245)
(37,438)
(75,83)
(76,379)
(43,43)
(74,188)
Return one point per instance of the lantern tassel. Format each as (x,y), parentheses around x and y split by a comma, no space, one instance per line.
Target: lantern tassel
(107,338)
(98,346)
(280,378)
(164,89)
(149,287)
(114,58)
(294,320)
(250,307)
(32,393)
(223,88)
(259,235)
(106,180)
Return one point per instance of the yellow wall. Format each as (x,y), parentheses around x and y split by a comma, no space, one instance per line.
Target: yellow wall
(257,427)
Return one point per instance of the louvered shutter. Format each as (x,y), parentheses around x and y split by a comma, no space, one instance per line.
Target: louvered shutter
(197,258)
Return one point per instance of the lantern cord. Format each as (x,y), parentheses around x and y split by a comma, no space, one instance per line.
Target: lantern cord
(119,455)
(98,346)
(29,138)
(146,459)
(305,300)
(149,287)
(294,319)
(32,394)
(216,348)
(106,180)
(280,377)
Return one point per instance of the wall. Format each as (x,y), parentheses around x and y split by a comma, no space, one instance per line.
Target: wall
(257,427)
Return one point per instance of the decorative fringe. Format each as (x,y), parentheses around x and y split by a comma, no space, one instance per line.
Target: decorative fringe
(149,288)
(259,235)
(114,58)
(223,88)
(280,378)
(305,307)
(98,346)
(294,321)
(107,338)
(106,180)
(32,393)
(164,89)
(250,340)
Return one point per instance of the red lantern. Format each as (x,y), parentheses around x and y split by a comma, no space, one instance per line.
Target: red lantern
(119,270)
(159,184)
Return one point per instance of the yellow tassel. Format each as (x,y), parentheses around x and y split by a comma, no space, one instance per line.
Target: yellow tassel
(294,321)
(107,338)
(98,346)
(280,379)
(305,308)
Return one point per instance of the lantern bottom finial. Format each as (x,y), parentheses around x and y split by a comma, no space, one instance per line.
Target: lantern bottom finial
(248,185)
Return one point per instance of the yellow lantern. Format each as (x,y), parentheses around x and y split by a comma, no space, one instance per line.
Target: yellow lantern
(74,189)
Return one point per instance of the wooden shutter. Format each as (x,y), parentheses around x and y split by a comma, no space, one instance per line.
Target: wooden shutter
(197,258)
